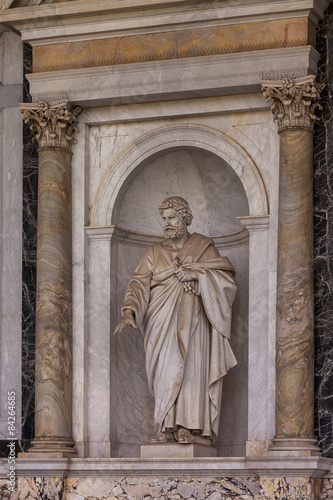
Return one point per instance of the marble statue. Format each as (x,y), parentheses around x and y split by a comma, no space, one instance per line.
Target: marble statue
(181,296)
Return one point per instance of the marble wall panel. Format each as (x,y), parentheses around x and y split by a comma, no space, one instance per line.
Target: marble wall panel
(304,488)
(326,490)
(137,488)
(163,488)
(323,228)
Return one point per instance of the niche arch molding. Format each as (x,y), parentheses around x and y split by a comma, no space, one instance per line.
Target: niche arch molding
(121,170)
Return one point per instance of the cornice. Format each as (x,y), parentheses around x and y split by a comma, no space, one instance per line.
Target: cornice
(101,18)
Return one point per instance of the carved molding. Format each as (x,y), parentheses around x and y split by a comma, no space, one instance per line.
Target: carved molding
(52,123)
(138,239)
(294,101)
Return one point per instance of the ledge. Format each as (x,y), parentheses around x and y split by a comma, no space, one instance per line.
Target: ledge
(137,239)
(221,467)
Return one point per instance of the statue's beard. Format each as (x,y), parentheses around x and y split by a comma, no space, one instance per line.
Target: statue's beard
(175,232)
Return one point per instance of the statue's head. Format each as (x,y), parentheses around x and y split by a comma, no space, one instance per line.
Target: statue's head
(176,214)
(180,205)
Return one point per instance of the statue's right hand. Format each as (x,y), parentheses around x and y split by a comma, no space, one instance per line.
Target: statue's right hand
(127,319)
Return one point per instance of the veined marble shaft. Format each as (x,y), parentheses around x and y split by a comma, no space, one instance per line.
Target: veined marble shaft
(295,316)
(54,284)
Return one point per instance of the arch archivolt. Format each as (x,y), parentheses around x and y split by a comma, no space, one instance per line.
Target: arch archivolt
(160,140)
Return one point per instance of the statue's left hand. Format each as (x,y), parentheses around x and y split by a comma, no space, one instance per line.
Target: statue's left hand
(183,275)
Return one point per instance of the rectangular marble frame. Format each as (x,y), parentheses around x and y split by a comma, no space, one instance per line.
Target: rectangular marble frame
(221,111)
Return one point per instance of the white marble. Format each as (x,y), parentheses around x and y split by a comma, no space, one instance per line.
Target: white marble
(176,450)
(11,70)
(99,411)
(258,378)
(10,228)
(158,110)
(80,300)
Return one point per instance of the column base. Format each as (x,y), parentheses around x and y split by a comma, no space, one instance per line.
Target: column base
(176,450)
(50,448)
(305,447)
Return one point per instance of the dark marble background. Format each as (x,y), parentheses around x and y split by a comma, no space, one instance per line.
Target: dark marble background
(29,252)
(323,222)
(323,219)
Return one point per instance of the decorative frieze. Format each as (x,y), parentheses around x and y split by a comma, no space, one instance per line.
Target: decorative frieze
(52,124)
(295,101)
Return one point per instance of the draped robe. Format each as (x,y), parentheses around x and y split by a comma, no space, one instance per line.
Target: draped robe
(186,336)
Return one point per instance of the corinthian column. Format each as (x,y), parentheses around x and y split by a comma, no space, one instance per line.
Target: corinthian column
(294,105)
(53,125)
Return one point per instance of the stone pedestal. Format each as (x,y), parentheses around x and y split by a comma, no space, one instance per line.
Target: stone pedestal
(53,126)
(294,104)
(176,450)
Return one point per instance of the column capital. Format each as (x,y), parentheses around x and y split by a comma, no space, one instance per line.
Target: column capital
(294,101)
(52,123)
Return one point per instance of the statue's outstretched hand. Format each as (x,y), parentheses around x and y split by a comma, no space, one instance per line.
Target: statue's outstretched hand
(127,319)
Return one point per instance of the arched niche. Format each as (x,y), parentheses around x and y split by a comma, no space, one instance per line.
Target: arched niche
(190,173)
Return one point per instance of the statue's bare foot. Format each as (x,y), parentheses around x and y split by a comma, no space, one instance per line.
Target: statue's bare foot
(184,436)
(159,438)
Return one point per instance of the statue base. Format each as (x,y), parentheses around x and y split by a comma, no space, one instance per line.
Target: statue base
(177,450)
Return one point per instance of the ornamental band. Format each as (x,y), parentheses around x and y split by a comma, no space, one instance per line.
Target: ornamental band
(181,296)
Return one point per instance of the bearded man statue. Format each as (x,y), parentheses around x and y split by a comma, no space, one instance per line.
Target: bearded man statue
(181,296)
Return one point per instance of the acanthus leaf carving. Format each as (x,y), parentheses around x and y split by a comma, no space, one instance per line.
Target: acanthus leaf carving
(295,101)
(52,124)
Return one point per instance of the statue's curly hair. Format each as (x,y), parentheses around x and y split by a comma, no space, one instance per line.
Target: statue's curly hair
(179,204)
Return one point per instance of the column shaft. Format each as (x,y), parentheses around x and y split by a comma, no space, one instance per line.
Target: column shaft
(295,327)
(54,290)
